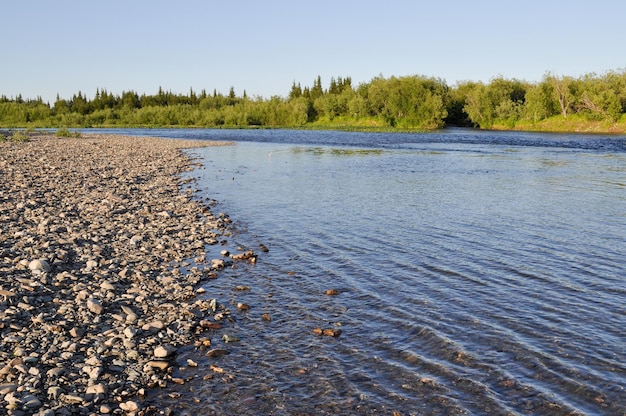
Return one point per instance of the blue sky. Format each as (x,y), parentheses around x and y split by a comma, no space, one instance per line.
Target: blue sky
(65,46)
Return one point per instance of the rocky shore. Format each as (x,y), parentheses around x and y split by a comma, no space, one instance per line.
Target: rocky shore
(102,252)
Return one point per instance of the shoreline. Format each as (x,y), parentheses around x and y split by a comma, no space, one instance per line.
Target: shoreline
(575,128)
(102,252)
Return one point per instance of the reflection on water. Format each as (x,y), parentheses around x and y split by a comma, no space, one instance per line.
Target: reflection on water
(474,278)
(334,151)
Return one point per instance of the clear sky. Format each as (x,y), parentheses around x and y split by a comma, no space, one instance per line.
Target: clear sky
(262,46)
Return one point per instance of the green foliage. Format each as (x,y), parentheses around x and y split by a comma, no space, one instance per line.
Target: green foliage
(65,132)
(498,103)
(397,103)
(19,136)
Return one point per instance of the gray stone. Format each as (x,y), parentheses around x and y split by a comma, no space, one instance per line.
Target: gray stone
(39,266)
(163,351)
(94,306)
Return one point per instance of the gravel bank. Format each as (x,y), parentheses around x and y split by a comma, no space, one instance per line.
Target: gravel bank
(93,303)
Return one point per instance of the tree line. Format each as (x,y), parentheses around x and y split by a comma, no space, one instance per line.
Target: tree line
(409,103)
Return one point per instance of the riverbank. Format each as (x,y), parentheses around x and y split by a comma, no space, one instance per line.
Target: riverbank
(95,294)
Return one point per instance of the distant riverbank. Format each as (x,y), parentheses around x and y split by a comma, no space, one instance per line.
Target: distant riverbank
(557,124)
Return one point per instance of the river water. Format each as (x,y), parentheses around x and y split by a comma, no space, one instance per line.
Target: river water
(478,273)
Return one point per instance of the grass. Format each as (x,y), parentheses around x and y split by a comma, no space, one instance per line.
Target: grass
(572,124)
(19,136)
(65,132)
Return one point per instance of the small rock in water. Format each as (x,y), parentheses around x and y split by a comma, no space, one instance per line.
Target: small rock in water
(210,325)
(329,332)
(218,264)
(217,353)
(228,338)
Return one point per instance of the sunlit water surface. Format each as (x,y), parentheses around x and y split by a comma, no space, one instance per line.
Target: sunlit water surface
(478,273)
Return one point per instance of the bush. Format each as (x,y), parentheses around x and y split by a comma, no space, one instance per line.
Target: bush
(19,136)
(65,132)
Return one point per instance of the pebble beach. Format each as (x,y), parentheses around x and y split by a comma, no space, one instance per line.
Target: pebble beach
(102,257)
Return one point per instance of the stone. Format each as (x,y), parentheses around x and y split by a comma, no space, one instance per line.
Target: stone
(153,326)
(55,372)
(93,361)
(130,332)
(76,332)
(218,264)
(229,338)
(72,398)
(217,353)
(39,266)
(331,332)
(96,389)
(163,351)
(94,306)
(209,325)
(162,365)
(129,406)
(71,341)
(7,388)
(31,401)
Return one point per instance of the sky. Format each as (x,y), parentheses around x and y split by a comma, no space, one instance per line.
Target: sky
(66,46)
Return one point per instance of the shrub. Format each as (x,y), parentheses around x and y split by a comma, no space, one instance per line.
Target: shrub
(65,132)
(19,136)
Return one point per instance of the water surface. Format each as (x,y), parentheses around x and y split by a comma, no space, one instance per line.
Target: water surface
(478,272)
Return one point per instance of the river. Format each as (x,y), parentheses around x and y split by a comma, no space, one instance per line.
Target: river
(477,273)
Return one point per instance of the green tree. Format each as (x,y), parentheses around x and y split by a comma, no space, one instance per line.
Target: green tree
(317,90)
(61,106)
(80,105)
(539,104)
(130,100)
(599,98)
(499,102)
(562,92)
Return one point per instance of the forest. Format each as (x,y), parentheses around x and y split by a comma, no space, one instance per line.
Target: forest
(408,103)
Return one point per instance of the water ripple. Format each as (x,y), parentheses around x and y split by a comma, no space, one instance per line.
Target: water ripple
(478,274)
